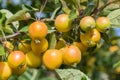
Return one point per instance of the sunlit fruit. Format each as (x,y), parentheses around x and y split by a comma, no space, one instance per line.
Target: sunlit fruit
(102,24)
(20,70)
(24,47)
(5,71)
(33,60)
(16,59)
(71,55)
(80,45)
(38,30)
(39,47)
(52,59)
(63,23)
(8,45)
(87,23)
(90,38)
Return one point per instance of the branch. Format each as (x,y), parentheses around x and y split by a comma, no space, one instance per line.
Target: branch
(42,8)
(10,36)
(97,4)
(101,8)
(47,19)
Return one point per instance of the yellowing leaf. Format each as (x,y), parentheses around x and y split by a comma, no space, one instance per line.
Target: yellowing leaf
(71,74)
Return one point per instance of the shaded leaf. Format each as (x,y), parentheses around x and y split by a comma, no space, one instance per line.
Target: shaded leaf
(8,15)
(52,41)
(2,51)
(71,74)
(114,17)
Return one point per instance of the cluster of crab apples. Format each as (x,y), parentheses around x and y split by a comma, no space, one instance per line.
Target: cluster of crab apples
(37,52)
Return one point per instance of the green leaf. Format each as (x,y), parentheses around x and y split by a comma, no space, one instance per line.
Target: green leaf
(72,15)
(29,8)
(65,7)
(52,41)
(20,15)
(90,8)
(114,17)
(56,1)
(24,29)
(83,78)
(76,3)
(8,15)
(116,64)
(71,74)
(2,19)
(112,7)
(2,51)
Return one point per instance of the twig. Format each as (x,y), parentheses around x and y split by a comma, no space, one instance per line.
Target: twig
(52,17)
(101,8)
(42,8)
(3,34)
(10,36)
(47,19)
